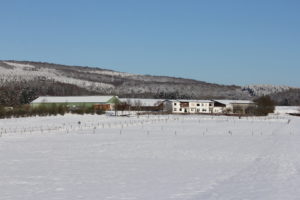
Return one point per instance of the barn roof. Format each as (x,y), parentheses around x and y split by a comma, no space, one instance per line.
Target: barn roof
(73,99)
(191,100)
(227,102)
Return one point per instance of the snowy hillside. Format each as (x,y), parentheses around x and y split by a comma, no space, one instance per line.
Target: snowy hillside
(28,80)
(259,90)
(14,72)
(150,157)
(111,82)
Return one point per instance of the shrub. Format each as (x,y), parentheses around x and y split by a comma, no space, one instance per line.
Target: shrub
(264,105)
(89,110)
(62,109)
(99,112)
(53,109)
(238,110)
(2,112)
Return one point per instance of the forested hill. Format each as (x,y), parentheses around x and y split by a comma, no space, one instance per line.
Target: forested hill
(22,81)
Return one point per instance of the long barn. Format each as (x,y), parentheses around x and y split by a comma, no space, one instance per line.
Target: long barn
(103,102)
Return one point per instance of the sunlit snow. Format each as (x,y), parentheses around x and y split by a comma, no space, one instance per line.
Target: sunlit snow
(150,157)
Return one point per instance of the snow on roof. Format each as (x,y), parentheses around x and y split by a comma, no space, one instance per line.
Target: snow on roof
(227,102)
(144,102)
(72,99)
(196,101)
(190,100)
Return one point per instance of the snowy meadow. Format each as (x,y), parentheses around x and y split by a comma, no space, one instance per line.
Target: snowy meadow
(150,157)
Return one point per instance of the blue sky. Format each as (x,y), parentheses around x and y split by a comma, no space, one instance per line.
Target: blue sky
(221,41)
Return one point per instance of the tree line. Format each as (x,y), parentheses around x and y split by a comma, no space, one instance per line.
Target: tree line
(42,110)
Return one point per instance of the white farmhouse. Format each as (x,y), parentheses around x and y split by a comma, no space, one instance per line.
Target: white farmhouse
(188,106)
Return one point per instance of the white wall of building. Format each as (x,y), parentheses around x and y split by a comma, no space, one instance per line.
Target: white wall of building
(193,106)
(203,106)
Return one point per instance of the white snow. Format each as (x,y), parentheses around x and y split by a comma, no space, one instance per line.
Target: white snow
(20,66)
(188,157)
(111,73)
(287,109)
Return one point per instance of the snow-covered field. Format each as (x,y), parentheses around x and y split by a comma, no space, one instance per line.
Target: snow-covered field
(150,158)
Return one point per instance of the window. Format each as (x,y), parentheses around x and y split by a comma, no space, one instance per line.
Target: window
(198,104)
(175,109)
(210,104)
(175,104)
(203,104)
(203,110)
(180,109)
(198,110)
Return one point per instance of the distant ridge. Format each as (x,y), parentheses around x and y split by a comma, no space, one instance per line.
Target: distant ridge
(21,81)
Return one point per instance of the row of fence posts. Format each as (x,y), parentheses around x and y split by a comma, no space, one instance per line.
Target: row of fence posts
(122,124)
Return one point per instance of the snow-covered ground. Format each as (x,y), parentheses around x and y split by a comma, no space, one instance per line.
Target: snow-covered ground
(287,109)
(150,158)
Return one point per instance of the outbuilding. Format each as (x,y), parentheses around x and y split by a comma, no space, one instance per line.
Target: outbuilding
(232,106)
(103,102)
